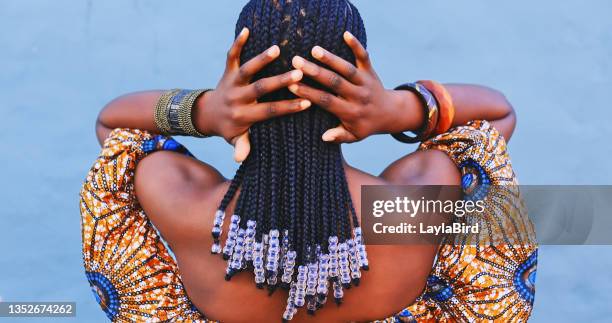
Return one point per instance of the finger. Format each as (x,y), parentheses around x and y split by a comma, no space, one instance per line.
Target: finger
(268,85)
(323,99)
(254,65)
(339,135)
(331,80)
(361,54)
(340,65)
(233,55)
(267,110)
(242,147)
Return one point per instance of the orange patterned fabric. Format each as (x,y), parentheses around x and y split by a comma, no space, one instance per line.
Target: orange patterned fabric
(129,268)
(485,281)
(134,277)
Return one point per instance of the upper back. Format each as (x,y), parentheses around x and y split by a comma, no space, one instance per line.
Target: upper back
(182,201)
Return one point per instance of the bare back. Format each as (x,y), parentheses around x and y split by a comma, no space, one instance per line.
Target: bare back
(190,193)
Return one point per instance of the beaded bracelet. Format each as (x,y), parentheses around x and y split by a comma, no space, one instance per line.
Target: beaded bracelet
(445,105)
(430,108)
(173,113)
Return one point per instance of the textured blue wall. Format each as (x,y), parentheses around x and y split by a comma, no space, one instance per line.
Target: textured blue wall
(61,61)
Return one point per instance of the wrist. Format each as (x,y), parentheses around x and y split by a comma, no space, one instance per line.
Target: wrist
(406,112)
(201,114)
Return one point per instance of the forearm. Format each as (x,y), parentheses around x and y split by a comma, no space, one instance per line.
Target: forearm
(136,111)
(472,102)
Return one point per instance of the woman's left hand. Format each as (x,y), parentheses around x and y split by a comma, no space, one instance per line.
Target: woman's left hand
(362,103)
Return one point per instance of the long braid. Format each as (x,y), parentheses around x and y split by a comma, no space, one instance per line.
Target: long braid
(294,220)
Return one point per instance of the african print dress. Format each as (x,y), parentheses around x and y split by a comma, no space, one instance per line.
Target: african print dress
(134,277)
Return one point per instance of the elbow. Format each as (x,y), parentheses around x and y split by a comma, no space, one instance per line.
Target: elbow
(501,103)
(509,113)
(105,114)
(102,127)
(507,106)
(506,115)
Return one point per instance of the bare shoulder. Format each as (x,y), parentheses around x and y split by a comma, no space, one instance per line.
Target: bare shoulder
(167,185)
(428,167)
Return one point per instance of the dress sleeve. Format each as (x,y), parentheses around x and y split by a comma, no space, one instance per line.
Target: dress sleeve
(484,281)
(129,268)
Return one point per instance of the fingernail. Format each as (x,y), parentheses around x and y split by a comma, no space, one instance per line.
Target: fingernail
(305,104)
(317,52)
(293,88)
(327,137)
(243,31)
(296,75)
(273,51)
(348,35)
(298,62)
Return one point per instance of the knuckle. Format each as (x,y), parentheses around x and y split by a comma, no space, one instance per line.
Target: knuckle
(232,97)
(335,81)
(260,88)
(351,70)
(365,55)
(359,113)
(272,109)
(365,97)
(243,72)
(353,114)
(237,115)
(325,99)
(350,115)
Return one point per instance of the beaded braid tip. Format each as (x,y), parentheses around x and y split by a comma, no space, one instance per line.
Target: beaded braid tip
(290,310)
(333,258)
(363,255)
(345,276)
(258,265)
(300,293)
(354,262)
(338,293)
(232,235)
(216,231)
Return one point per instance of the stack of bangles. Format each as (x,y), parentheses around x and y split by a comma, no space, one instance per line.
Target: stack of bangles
(173,113)
(438,107)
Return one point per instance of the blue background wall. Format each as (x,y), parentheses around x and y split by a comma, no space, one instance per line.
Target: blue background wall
(61,61)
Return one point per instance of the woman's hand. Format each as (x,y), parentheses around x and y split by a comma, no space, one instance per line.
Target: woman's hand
(362,104)
(230,109)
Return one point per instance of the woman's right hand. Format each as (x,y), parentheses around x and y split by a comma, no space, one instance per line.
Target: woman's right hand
(230,109)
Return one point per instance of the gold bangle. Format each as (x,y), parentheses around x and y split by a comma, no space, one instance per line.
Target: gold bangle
(186,114)
(161,112)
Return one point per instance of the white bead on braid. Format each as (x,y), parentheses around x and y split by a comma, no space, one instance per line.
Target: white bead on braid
(363,255)
(230,242)
(217,231)
(343,262)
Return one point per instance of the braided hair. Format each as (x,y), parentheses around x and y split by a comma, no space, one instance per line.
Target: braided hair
(294,210)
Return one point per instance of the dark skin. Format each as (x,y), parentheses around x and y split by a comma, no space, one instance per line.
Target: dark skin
(192,189)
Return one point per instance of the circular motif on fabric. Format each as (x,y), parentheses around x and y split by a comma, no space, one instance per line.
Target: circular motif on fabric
(105,293)
(404,316)
(171,144)
(438,289)
(525,277)
(474,180)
